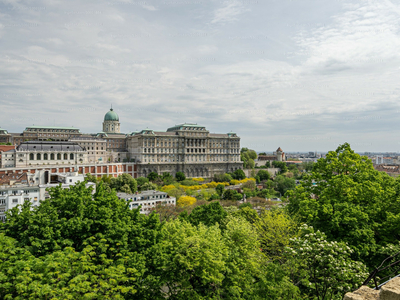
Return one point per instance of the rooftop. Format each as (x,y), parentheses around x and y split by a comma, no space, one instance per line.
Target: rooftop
(49,146)
(51,127)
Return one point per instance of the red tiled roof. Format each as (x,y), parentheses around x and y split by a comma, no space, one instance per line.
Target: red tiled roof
(4,148)
(5,179)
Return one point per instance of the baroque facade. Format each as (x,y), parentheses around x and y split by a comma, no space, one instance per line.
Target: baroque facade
(188,148)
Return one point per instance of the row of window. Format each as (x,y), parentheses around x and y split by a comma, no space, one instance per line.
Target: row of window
(52,130)
(52,156)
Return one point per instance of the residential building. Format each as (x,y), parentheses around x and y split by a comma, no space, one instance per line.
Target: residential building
(15,188)
(147,200)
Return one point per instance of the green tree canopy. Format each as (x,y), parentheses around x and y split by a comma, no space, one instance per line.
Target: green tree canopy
(152,176)
(207,214)
(281,165)
(124,183)
(180,176)
(239,174)
(264,175)
(348,200)
(284,184)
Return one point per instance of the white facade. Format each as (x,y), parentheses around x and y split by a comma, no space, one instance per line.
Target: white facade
(147,200)
(11,196)
(96,148)
(35,153)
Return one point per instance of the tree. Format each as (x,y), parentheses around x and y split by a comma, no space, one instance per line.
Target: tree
(73,218)
(281,165)
(326,269)
(207,214)
(275,229)
(167,178)
(220,188)
(264,175)
(251,185)
(61,274)
(348,200)
(140,181)
(262,153)
(222,177)
(284,184)
(148,186)
(249,275)
(250,163)
(307,165)
(232,195)
(180,176)
(248,157)
(152,176)
(239,174)
(186,201)
(124,183)
(91,178)
(190,261)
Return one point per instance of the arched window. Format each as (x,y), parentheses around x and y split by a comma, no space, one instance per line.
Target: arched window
(38,156)
(52,156)
(31,156)
(45,156)
(58,156)
(71,156)
(65,156)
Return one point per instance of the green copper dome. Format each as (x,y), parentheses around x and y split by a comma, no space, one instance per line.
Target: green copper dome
(111,116)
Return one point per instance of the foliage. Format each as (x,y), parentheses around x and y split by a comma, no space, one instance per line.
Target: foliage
(91,178)
(153,176)
(250,164)
(275,228)
(348,200)
(167,178)
(141,181)
(186,201)
(66,274)
(149,186)
(180,176)
(264,175)
(239,174)
(200,179)
(222,177)
(188,182)
(207,214)
(247,157)
(220,188)
(232,195)
(330,270)
(69,218)
(281,165)
(124,183)
(249,184)
(307,165)
(284,184)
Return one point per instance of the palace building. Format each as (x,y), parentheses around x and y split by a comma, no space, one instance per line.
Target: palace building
(188,148)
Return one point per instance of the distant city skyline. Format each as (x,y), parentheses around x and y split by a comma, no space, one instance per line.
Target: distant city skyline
(296,75)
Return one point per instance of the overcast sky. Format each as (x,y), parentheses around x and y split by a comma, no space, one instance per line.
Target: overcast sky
(304,75)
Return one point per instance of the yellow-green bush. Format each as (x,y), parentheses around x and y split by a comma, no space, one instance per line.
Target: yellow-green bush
(186,201)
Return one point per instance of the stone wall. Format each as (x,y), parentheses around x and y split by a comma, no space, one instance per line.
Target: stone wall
(389,291)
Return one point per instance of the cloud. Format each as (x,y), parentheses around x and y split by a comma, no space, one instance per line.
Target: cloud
(229,12)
